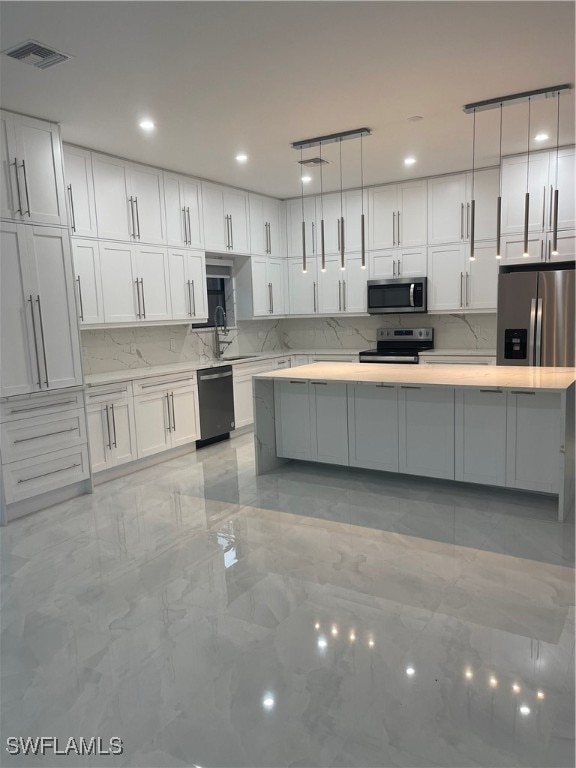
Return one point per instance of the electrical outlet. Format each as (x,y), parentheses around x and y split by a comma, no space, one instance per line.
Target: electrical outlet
(132,348)
(172,345)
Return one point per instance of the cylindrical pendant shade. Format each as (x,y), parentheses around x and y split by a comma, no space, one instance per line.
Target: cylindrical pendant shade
(304,267)
(322,247)
(555,225)
(472,227)
(526,214)
(498,226)
(342,262)
(363,241)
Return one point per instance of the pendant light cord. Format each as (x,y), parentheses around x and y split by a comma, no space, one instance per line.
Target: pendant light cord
(362,171)
(500,152)
(321,186)
(301,184)
(473,151)
(557,135)
(528,149)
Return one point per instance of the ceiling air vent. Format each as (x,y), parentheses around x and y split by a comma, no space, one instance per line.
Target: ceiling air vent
(35,53)
(313,162)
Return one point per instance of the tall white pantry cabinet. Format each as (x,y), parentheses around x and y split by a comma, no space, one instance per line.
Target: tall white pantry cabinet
(43,440)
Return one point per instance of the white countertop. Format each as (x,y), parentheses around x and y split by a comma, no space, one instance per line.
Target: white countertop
(507,377)
(459,352)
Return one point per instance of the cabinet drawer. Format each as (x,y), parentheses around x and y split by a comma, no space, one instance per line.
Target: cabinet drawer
(32,477)
(40,405)
(148,386)
(114,392)
(42,434)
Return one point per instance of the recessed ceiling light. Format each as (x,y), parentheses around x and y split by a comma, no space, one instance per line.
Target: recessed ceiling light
(409,160)
(241,158)
(306,179)
(541,137)
(147,125)
(415,118)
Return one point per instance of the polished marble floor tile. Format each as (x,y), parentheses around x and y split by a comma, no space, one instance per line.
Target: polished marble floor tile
(315,616)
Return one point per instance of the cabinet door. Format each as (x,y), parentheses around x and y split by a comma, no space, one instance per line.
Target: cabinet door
(373,426)
(86,257)
(215,233)
(121,417)
(258,226)
(40,171)
(20,368)
(272,216)
(447,209)
(51,264)
(486,191)
(147,189)
(534,441)
(293,419)
(191,197)
(512,249)
(243,406)
(277,279)
(294,226)
(446,277)
(412,262)
(10,206)
(185,416)
(480,454)
(114,213)
(328,208)
(426,422)
(303,287)
(99,436)
(236,206)
(412,222)
(514,174)
(564,180)
(330,288)
(197,278)
(175,211)
(261,290)
(329,422)
(383,265)
(181,299)
(119,292)
(354,286)
(152,270)
(481,289)
(565,245)
(153,433)
(383,202)
(80,188)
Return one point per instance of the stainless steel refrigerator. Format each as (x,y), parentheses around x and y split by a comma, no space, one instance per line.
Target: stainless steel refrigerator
(536,316)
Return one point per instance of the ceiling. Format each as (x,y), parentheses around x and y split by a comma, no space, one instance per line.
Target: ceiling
(223,77)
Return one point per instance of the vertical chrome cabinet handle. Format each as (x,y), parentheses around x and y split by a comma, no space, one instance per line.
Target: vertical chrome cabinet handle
(193,293)
(108,428)
(344,294)
(467,289)
(143,298)
(173,412)
(543,206)
(461,288)
(461,222)
(314,294)
(269,238)
(137,217)
(542,258)
(231,233)
(139,313)
(550,209)
(272,296)
(227,231)
(185,226)
(43,340)
(169,427)
(393,267)
(132,228)
(339,295)
(80,298)
(31,300)
(398,267)
(393,227)
(72,214)
(113,425)
(189,226)
(398,229)
(26,188)
(313,238)
(15,164)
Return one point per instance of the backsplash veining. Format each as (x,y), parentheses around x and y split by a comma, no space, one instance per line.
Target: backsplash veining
(128,348)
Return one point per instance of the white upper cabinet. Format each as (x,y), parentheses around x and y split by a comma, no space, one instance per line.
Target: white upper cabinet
(450,207)
(294,226)
(515,174)
(354,280)
(265,234)
(153,291)
(32,173)
(129,200)
(486,190)
(188,284)
(86,257)
(303,287)
(402,262)
(226,219)
(114,209)
(330,288)
(119,289)
(183,202)
(261,285)
(481,276)
(457,284)
(398,215)
(80,191)
(565,183)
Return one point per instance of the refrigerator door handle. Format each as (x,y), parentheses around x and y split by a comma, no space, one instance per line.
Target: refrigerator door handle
(538,338)
(531,332)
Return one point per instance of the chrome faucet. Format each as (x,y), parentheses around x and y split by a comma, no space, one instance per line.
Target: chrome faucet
(224,326)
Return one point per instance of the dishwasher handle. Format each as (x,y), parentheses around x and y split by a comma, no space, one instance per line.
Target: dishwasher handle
(214,376)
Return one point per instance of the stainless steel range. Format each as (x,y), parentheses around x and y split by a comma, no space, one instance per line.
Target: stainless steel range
(399,345)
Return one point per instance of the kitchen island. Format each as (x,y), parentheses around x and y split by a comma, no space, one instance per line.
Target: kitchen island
(491,425)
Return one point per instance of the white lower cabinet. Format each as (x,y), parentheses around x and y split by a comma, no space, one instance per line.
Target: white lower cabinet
(480,436)
(243,404)
(373,426)
(329,421)
(111,429)
(534,446)
(166,415)
(426,431)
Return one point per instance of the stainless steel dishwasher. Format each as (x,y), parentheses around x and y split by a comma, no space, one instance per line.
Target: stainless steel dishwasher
(216,402)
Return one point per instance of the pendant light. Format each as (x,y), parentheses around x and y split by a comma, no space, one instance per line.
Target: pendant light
(362,230)
(555,219)
(322,246)
(499,203)
(342,261)
(527,198)
(473,202)
(304,265)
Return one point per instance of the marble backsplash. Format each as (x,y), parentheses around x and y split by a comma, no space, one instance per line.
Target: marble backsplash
(128,348)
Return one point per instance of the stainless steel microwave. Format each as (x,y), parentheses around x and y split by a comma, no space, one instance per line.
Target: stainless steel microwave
(403,294)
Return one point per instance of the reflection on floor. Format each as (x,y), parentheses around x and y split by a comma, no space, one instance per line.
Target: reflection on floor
(312,617)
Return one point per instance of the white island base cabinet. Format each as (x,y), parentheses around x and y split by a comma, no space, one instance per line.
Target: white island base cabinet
(372,420)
